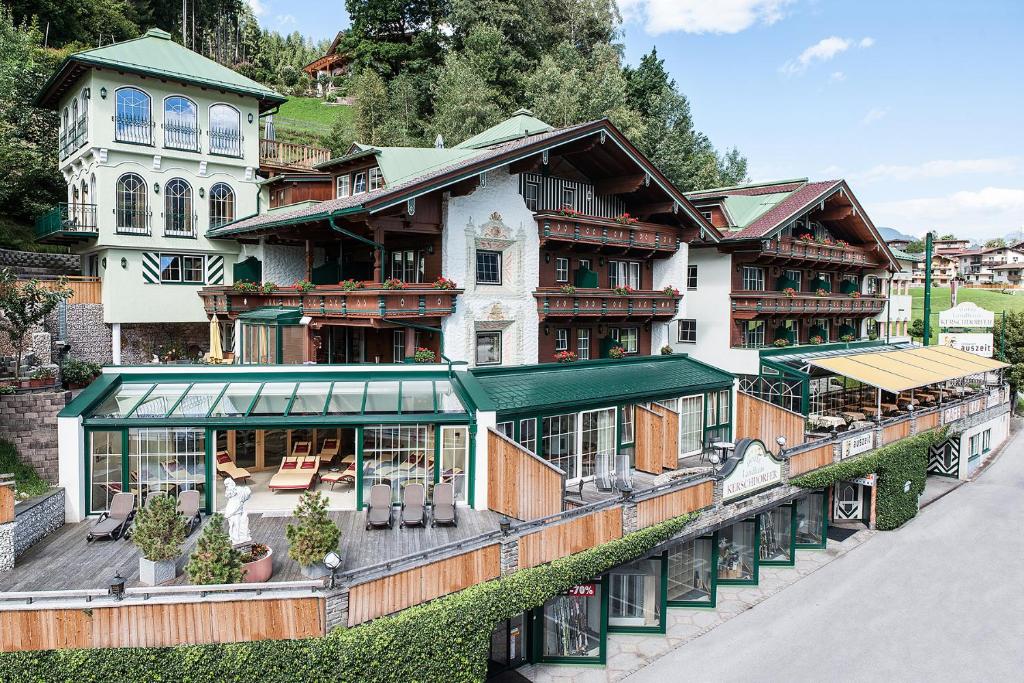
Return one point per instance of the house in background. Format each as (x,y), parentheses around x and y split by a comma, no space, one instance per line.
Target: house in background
(894,320)
(324,69)
(945,267)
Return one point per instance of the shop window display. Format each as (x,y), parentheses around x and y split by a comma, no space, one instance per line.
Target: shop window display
(636,595)
(572,625)
(738,553)
(692,573)
(777,536)
(812,521)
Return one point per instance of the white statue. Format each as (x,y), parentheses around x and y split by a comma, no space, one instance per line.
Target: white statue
(234,511)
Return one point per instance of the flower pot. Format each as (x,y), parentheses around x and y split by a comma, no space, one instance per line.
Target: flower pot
(156,573)
(317,570)
(259,571)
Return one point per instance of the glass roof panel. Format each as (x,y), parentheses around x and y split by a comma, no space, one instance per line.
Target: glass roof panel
(236,399)
(381,397)
(447,400)
(417,397)
(120,403)
(160,400)
(346,398)
(198,400)
(274,398)
(311,398)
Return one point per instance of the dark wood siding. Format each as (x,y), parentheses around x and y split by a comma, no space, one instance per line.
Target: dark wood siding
(550,198)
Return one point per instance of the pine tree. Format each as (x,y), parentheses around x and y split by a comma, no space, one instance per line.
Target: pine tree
(158,530)
(464,104)
(316,534)
(214,560)
(371,113)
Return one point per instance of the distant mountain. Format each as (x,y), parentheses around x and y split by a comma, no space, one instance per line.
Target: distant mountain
(894,234)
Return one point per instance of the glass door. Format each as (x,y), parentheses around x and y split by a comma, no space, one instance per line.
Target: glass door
(508,646)
(597,436)
(691,425)
(636,597)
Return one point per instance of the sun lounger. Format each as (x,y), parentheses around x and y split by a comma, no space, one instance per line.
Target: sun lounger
(188,507)
(114,523)
(301,449)
(296,474)
(329,451)
(379,512)
(227,468)
(346,476)
(414,508)
(444,511)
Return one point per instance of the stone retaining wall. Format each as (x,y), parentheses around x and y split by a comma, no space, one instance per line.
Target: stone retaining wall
(140,342)
(28,419)
(35,263)
(37,518)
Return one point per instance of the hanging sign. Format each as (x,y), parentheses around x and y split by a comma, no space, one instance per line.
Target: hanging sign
(753,468)
(868,480)
(967,314)
(978,343)
(855,445)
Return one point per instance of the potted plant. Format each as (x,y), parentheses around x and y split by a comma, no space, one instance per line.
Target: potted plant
(313,536)
(268,287)
(623,291)
(670,291)
(568,212)
(565,357)
(781,342)
(626,219)
(350,285)
(816,339)
(424,355)
(158,532)
(846,338)
(616,352)
(666,350)
(393,283)
(842,244)
(567,289)
(214,559)
(806,237)
(855,294)
(42,377)
(821,291)
(257,563)
(78,373)
(444,283)
(245,286)
(304,285)
(789,291)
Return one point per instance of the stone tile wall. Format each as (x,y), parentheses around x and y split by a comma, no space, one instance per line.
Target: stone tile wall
(36,519)
(28,419)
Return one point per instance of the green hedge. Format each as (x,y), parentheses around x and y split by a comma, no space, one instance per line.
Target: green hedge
(444,640)
(895,464)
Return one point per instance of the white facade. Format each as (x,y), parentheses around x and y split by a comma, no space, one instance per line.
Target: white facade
(981,441)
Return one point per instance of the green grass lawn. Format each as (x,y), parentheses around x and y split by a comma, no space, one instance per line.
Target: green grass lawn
(989,299)
(313,110)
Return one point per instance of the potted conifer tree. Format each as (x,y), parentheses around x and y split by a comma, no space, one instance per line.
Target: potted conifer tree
(314,536)
(214,560)
(158,531)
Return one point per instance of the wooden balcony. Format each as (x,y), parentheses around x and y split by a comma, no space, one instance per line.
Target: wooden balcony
(367,306)
(783,250)
(289,156)
(67,224)
(605,303)
(746,305)
(606,233)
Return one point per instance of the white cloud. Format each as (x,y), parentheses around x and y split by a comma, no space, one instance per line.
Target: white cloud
(990,211)
(836,77)
(286,20)
(257,7)
(822,51)
(939,168)
(874,114)
(701,16)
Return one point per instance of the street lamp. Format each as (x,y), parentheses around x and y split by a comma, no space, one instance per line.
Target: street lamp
(117,587)
(781,440)
(333,561)
(505,524)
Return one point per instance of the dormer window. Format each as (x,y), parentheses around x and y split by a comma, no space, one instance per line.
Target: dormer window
(376,179)
(342,186)
(359,183)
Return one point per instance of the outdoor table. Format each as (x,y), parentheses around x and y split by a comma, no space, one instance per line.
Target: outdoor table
(724,447)
(852,415)
(827,421)
(926,396)
(870,411)
(890,407)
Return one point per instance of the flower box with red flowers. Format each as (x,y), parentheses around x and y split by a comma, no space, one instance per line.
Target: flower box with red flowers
(821,291)
(626,219)
(444,283)
(789,291)
(393,283)
(623,291)
(565,357)
(671,291)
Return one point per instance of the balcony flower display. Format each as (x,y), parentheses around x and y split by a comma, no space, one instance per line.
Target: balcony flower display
(245,286)
(569,212)
(623,291)
(842,244)
(826,241)
(821,291)
(855,294)
(268,287)
(626,219)
(781,342)
(444,283)
(671,291)
(567,289)
(846,338)
(789,291)
(806,237)
(424,355)
(393,283)
(350,285)
(565,357)
(303,285)
(616,352)
(817,339)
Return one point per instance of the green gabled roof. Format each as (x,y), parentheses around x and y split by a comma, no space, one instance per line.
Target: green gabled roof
(745,209)
(521,124)
(398,164)
(906,255)
(552,387)
(154,53)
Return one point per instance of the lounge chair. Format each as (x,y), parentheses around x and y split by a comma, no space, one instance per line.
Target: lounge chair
(379,512)
(329,451)
(301,449)
(444,511)
(227,468)
(188,507)
(115,522)
(150,497)
(414,508)
(295,474)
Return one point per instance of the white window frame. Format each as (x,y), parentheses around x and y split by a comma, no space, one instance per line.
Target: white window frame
(561,339)
(376,179)
(690,406)
(342,186)
(724,406)
(679,331)
(624,274)
(756,332)
(561,269)
(569,197)
(753,279)
(358,180)
(487,333)
(634,332)
(181,268)
(531,202)
(799,279)
(583,343)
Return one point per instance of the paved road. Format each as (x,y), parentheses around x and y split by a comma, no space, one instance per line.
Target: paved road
(942,599)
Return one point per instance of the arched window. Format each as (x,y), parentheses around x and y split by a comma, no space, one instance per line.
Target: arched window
(133,121)
(181,127)
(222,205)
(131,211)
(225,130)
(178,209)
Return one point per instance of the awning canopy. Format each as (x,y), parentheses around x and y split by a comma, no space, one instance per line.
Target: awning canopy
(271,315)
(907,369)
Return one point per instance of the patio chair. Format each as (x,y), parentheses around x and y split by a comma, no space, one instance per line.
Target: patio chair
(414,507)
(707,449)
(115,522)
(604,475)
(301,448)
(227,468)
(329,451)
(188,507)
(379,512)
(623,475)
(444,510)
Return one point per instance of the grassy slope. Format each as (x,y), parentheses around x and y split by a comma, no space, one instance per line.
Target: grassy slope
(313,110)
(992,300)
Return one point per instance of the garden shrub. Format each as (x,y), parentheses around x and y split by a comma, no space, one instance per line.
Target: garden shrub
(444,640)
(27,483)
(897,463)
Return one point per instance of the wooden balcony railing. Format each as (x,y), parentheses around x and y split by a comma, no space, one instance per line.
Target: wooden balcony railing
(331,301)
(783,249)
(291,155)
(605,303)
(606,232)
(806,304)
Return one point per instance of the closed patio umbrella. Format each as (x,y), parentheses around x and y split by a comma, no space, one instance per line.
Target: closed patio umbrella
(216,353)
(268,131)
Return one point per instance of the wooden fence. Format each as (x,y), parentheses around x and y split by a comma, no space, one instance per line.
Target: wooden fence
(521,484)
(84,290)
(411,587)
(900,430)
(162,624)
(926,422)
(757,419)
(649,438)
(566,538)
(810,460)
(658,509)
(669,436)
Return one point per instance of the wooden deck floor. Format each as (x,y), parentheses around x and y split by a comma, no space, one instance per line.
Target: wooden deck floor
(64,561)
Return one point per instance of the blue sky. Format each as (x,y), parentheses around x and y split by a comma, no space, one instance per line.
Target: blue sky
(917,104)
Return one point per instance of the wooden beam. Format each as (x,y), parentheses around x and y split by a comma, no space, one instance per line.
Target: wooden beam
(464,187)
(647,210)
(527,165)
(836,213)
(620,184)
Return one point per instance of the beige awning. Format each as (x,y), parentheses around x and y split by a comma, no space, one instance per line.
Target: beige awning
(907,369)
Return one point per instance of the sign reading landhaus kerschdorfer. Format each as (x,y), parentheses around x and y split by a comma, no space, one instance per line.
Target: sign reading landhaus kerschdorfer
(754,468)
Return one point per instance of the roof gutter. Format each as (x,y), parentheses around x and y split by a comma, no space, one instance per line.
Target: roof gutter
(358,238)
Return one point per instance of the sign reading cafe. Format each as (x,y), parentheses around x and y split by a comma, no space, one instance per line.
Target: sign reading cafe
(751,469)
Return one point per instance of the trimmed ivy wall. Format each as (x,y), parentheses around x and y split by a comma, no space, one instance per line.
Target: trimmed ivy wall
(444,640)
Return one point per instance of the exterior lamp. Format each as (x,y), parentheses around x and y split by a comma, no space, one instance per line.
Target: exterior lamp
(781,440)
(156,188)
(505,524)
(103,93)
(117,587)
(202,192)
(333,562)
